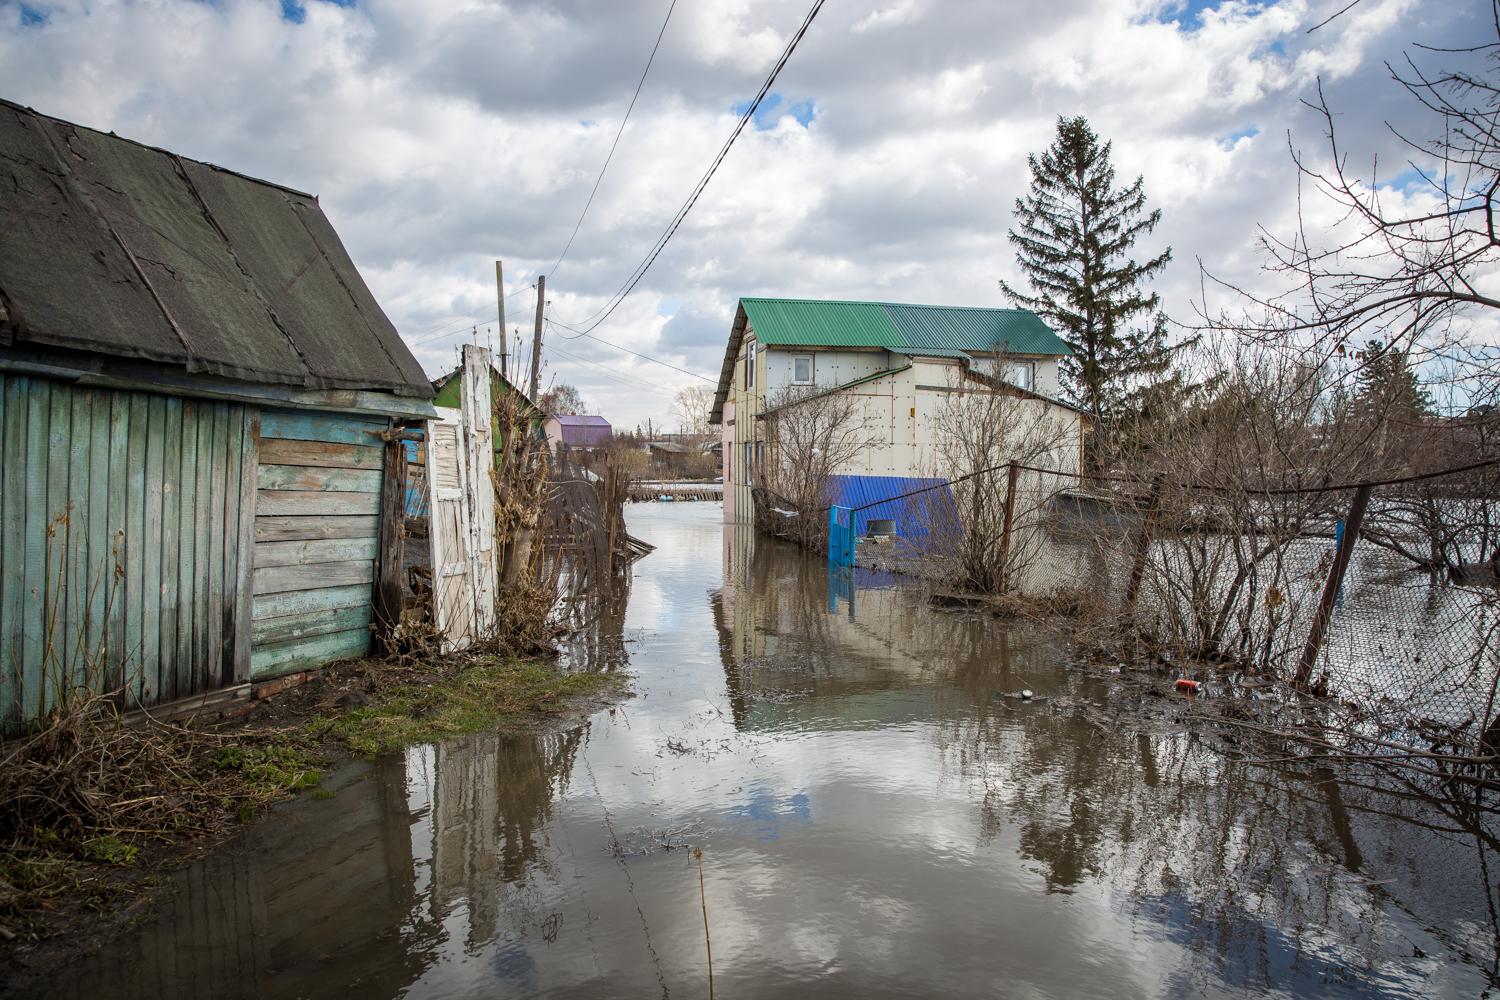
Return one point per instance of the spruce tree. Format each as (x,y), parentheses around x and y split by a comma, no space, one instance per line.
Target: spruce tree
(1074,235)
(1387,384)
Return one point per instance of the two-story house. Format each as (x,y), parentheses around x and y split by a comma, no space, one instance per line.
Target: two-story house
(901,362)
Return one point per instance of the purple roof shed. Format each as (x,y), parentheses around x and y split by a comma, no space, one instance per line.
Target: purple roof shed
(578,431)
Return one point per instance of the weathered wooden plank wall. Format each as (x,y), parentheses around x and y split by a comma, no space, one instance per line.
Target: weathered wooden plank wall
(316,538)
(119,542)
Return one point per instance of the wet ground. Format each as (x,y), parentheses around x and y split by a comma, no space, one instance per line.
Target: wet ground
(876,819)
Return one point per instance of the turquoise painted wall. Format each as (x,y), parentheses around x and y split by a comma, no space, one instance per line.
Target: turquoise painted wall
(317,534)
(119,543)
(161,546)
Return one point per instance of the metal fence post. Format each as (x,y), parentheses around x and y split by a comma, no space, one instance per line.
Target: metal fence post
(1138,566)
(1331,589)
(1011,473)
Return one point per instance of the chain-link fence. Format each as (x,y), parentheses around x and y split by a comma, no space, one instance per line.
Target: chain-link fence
(1380,600)
(1383,599)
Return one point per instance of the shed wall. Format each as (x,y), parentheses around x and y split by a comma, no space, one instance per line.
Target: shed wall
(120,543)
(317,536)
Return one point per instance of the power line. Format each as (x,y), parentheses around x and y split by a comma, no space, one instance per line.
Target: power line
(661,242)
(644,357)
(448,331)
(609,372)
(619,132)
(629,382)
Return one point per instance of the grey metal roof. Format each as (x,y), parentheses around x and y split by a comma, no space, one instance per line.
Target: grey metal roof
(126,250)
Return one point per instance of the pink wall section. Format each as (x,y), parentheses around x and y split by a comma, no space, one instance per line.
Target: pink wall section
(727,427)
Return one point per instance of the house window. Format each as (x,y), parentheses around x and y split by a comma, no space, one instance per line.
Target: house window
(750,366)
(1019,373)
(802,369)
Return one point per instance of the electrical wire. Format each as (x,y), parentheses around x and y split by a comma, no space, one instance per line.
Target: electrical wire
(607,372)
(629,381)
(448,331)
(643,357)
(604,312)
(618,132)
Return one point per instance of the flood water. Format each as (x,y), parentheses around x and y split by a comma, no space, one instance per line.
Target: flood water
(875,819)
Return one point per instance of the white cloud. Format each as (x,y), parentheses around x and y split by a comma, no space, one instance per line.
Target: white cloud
(902,12)
(441,136)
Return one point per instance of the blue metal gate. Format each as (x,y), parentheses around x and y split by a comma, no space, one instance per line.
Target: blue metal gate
(840,536)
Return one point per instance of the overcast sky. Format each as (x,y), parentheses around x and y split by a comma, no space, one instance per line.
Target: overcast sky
(443,134)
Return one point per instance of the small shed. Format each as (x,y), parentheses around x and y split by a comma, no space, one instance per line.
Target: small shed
(196,389)
(578,432)
(449,395)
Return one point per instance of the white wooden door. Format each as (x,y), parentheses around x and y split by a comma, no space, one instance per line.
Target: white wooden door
(479,458)
(449,530)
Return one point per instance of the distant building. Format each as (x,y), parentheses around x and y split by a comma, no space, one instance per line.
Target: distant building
(578,432)
(901,362)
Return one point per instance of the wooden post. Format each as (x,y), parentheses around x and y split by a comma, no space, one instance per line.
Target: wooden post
(1138,567)
(536,340)
(1331,587)
(1012,472)
(392,525)
(500,295)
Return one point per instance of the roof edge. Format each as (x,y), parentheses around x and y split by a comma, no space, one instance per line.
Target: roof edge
(158,149)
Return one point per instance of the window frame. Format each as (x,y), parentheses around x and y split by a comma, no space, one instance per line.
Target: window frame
(812,369)
(750,365)
(1029,367)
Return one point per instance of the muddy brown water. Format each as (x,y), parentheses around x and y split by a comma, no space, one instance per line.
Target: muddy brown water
(876,819)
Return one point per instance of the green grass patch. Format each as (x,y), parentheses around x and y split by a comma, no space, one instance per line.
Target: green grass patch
(111,850)
(479,695)
(270,771)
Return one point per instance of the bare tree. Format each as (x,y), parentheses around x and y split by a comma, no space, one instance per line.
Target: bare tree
(811,434)
(562,398)
(691,407)
(1414,276)
(982,425)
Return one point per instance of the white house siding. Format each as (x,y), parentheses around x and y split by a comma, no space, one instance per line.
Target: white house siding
(900,413)
(1047,382)
(830,368)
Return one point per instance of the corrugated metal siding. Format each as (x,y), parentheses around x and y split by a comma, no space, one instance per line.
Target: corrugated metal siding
(317,534)
(915,516)
(119,543)
(897,327)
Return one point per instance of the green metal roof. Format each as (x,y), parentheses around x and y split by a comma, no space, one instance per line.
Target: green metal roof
(938,330)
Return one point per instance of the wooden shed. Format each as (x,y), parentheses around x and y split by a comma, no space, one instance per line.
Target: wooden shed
(194,387)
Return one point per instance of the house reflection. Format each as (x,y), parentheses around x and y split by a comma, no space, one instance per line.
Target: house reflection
(1096,786)
(342,892)
(488,798)
(414,857)
(862,646)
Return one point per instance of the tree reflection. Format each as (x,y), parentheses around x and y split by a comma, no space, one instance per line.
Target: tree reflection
(1282,876)
(1285,875)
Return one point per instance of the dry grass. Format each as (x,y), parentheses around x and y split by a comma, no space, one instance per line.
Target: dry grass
(86,792)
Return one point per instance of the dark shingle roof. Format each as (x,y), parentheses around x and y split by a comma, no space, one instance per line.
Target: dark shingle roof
(113,247)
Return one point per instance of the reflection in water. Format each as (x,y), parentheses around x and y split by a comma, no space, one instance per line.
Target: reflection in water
(877,819)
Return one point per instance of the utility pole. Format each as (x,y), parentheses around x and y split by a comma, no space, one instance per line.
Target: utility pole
(536,340)
(500,294)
